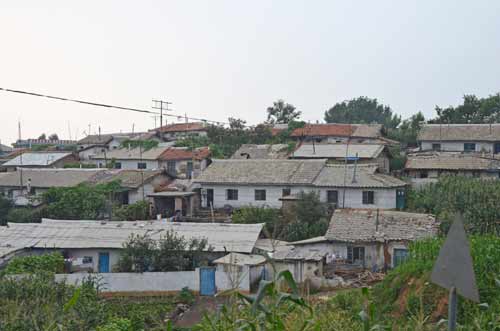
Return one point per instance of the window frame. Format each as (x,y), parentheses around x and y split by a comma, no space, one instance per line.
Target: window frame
(286,189)
(172,167)
(260,195)
(469,149)
(118,165)
(436,146)
(336,193)
(231,194)
(368,198)
(142,165)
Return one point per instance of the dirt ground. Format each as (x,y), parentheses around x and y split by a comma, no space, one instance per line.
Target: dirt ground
(201,306)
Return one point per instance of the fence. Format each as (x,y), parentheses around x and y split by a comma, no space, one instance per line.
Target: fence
(161,282)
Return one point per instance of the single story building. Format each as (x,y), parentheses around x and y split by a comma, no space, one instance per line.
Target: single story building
(40,160)
(342,152)
(98,243)
(240,183)
(338,133)
(178,131)
(460,137)
(427,167)
(239,267)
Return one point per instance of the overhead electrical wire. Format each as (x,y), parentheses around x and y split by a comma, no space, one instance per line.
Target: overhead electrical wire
(96,104)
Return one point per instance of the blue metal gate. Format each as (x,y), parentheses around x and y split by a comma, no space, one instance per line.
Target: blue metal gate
(207,281)
(103,262)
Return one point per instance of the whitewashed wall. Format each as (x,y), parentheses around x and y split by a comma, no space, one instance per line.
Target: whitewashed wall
(130,164)
(136,195)
(457,146)
(384,198)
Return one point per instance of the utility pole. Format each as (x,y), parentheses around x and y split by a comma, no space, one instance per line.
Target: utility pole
(161,105)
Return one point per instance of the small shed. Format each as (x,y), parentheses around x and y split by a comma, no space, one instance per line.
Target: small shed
(243,267)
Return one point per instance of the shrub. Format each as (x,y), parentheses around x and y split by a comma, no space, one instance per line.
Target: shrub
(185,296)
(51,263)
(23,215)
(132,212)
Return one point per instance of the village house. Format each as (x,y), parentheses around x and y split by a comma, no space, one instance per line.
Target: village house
(241,183)
(341,152)
(40,160)
(253,151)
(25,186)
(95,144)
(427,167)
(339,133)
(98,244)
(178,131)
(483,138)
(177,161)
(238,266)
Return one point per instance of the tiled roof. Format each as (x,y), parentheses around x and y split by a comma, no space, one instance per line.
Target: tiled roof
(360,176)
(459,132)
(271,172)
(251,151)
(96,139)
(451,161)
(339,130)
(241,259)
(183,153)
(183,127)
(127,178)
(132,154)
(290,252)
(361,225)
(322,151)
(36,159)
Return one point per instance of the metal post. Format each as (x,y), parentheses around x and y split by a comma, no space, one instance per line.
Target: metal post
(452,310)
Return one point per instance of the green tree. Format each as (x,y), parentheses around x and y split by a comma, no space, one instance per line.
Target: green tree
(362,110)
(406,133)
(472,110)
(32,264)
(282,113)
(43,136)
(5,206)
(271,217)
(54,136)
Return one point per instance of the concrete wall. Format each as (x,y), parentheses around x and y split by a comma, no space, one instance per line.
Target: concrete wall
(114,256)
(129,164)
(384,198)
(153,281)
(458,146)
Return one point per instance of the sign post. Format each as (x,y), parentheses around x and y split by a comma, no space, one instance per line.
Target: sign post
(454,271)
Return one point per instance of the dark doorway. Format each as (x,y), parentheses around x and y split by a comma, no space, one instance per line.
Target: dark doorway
(210,197)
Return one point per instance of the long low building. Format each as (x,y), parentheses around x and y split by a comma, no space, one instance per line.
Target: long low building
(99,243)
(240,183)
(427,167)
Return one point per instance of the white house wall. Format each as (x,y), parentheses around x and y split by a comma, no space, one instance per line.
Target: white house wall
(458,146)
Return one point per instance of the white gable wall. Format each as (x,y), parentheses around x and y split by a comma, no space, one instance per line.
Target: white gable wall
(458,146)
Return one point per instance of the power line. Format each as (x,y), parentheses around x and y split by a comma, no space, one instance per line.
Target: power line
(96,104)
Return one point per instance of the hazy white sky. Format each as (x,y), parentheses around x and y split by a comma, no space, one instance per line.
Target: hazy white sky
(216,59)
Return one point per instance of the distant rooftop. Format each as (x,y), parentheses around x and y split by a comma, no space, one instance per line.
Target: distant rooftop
(339,150)
(459,132)
(252,151)
(451,161)
(182,127)
(339,130)
(36,159)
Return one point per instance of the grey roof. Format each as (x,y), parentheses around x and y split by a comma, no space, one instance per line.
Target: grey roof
(36,159)
(322,151)
(171,194)
(313,240)
(96,139)
(45,178)
(459,132)
(360,225)
(269,245)
(269,172)
(5,149)
(95,234)
(252,151)
(241,259)
(132,154)
(332,175)
(128,178)
(451,161)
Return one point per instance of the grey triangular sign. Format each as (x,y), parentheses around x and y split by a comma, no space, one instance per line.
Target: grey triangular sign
(453,267)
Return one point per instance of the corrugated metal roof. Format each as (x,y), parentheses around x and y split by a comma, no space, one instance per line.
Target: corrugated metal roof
(45,178)
(327,151)
(241,259)
(294,253)
(36,159)
(459,132)
(94,234)
(361,225)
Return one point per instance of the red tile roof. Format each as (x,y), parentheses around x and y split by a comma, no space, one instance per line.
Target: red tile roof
(340,130)
(174,153)
(183,127)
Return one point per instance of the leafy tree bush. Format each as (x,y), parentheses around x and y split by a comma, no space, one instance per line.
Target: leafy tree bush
(23,215)
(271,217)
(32,264)
(282,113)
(476,199)
(172,252)
(144,144)
(5,207)
(472,110)
(132,212)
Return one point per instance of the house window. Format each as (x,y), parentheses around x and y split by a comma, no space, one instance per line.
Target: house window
(141,165)
(399,256)
(436,147)
(286,192)
(87,260)
(189,169)
(231,194)
(332,196)
(356,255)
(368,197)
(171,167)
(424,174)
(260,195)
(118,165)
(469,147)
